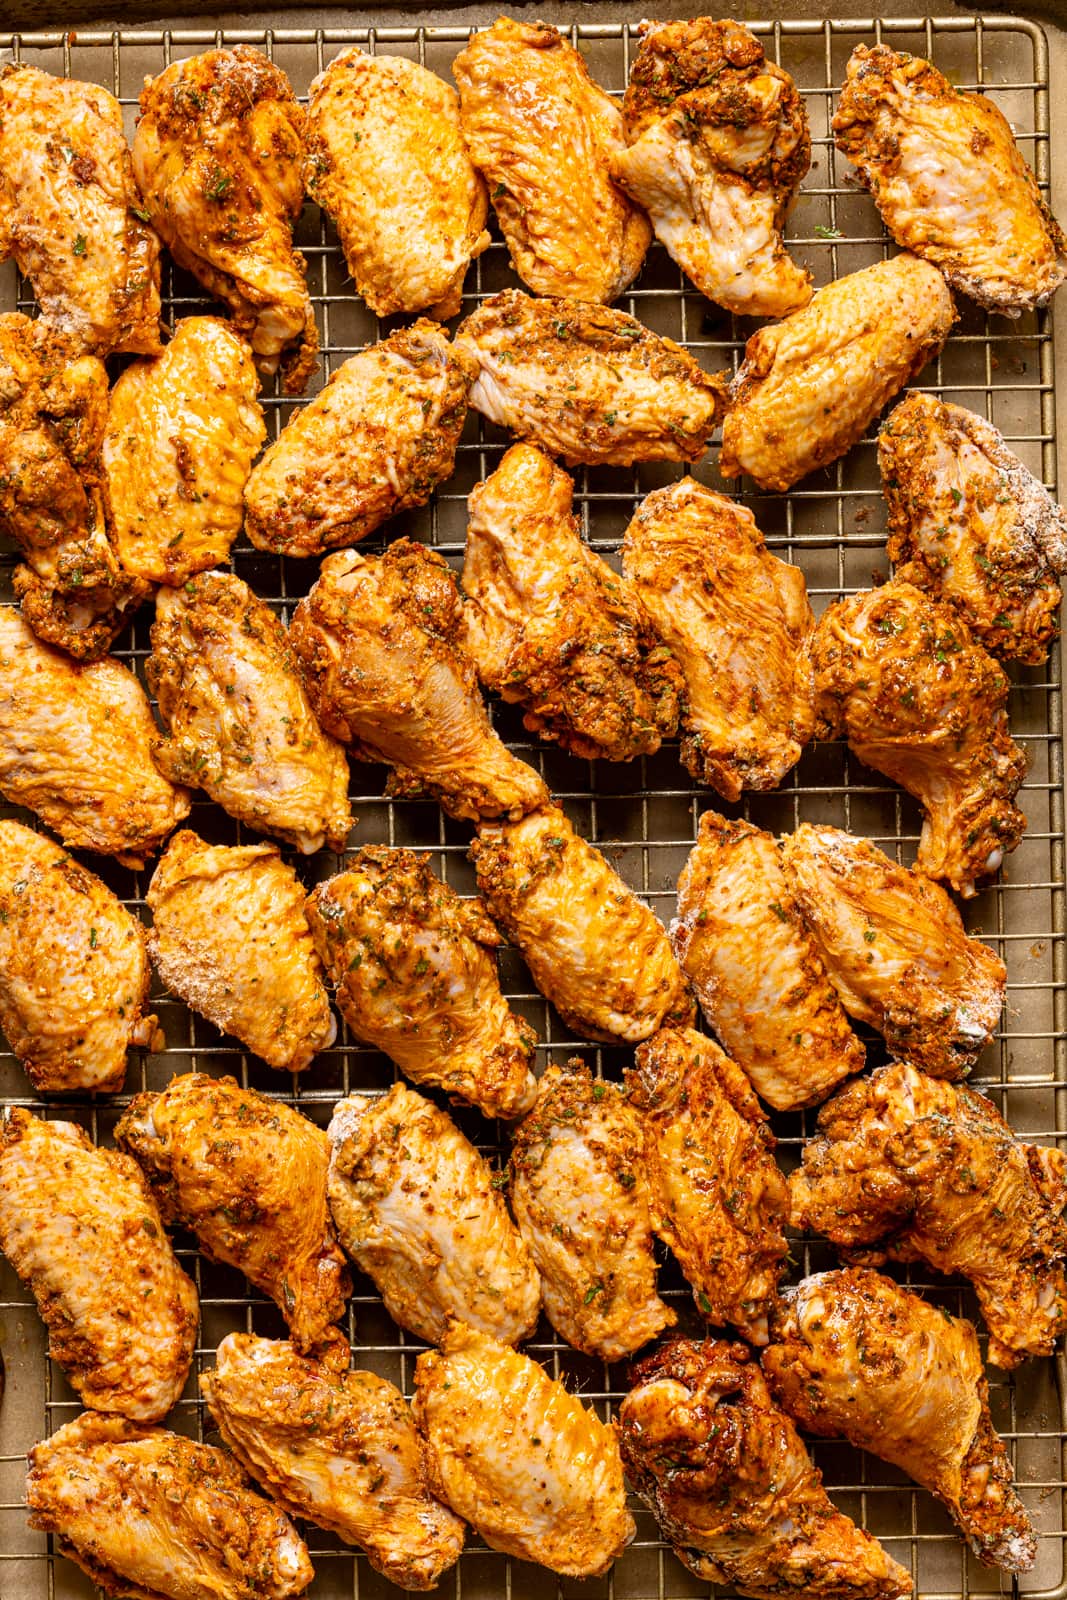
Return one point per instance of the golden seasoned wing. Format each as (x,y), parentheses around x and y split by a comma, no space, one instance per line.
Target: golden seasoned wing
(594,949)
(336,1447)
(236,715)
(381,642)
(738,622)
(552,628)
(969,524)
(148,1513)
(896,951)
(70,213)
(732,1486)
(741,941)
(718,1198)
(219,154)
(248,1176)
(718,145)
(74,973)
(416,1208)
(231,939)
(543,135)
(534,1472)
(588,384)
(386,160)
(414,973)
(377,440)
(917,699)
(854,1355)
(949,180)
(809,386)
(909,1168)
(75,747)
(182,432)
(581,1198)
(80,1226)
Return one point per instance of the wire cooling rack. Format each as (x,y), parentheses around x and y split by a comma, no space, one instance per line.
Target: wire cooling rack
(643,815)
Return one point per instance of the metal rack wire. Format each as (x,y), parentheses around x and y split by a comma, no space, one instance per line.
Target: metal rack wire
(644,816)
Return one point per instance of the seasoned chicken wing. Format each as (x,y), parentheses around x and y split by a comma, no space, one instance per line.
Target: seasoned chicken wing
(415,976)
(70,213)
(543,135)
(182,432)
(594,949)
(741,941)
(718,145)
(219,155)
(854,1355)
(534,1472)
(949,180)
(732,1486)
(971,525)
(552,628)
(337,1447)
(738,622)
(80,1226)
(231,939)
(386,160)
(809,386)
(896,951)
(237,719)
(588,384)
(75,747)
(909,1168)
(416,1208)
(900,676)
(581,1198)
(150,1515)
(248,1176)
(382,647)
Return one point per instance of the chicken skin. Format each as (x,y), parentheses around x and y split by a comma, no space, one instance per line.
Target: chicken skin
(237,719)
(917,699)
(219,155)
(416,1208)
(80,1227)
(386,160)
(742,942)
(182,432)
(534,1472)
(853,1355)
(581,1198)
(732,1486)
(587,384)
(74,973)
(544,136)
(70,213)
(718,145)
(969,524)
(381,643)
(248,1176)
(75,747)
(594,949)
(377,440)
(738,622)
(718,1198)
(414,973)
(552,628)
(150,1515)
(949,180)
(896,951)
(809,386)
(336,1447)
(905,1167)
